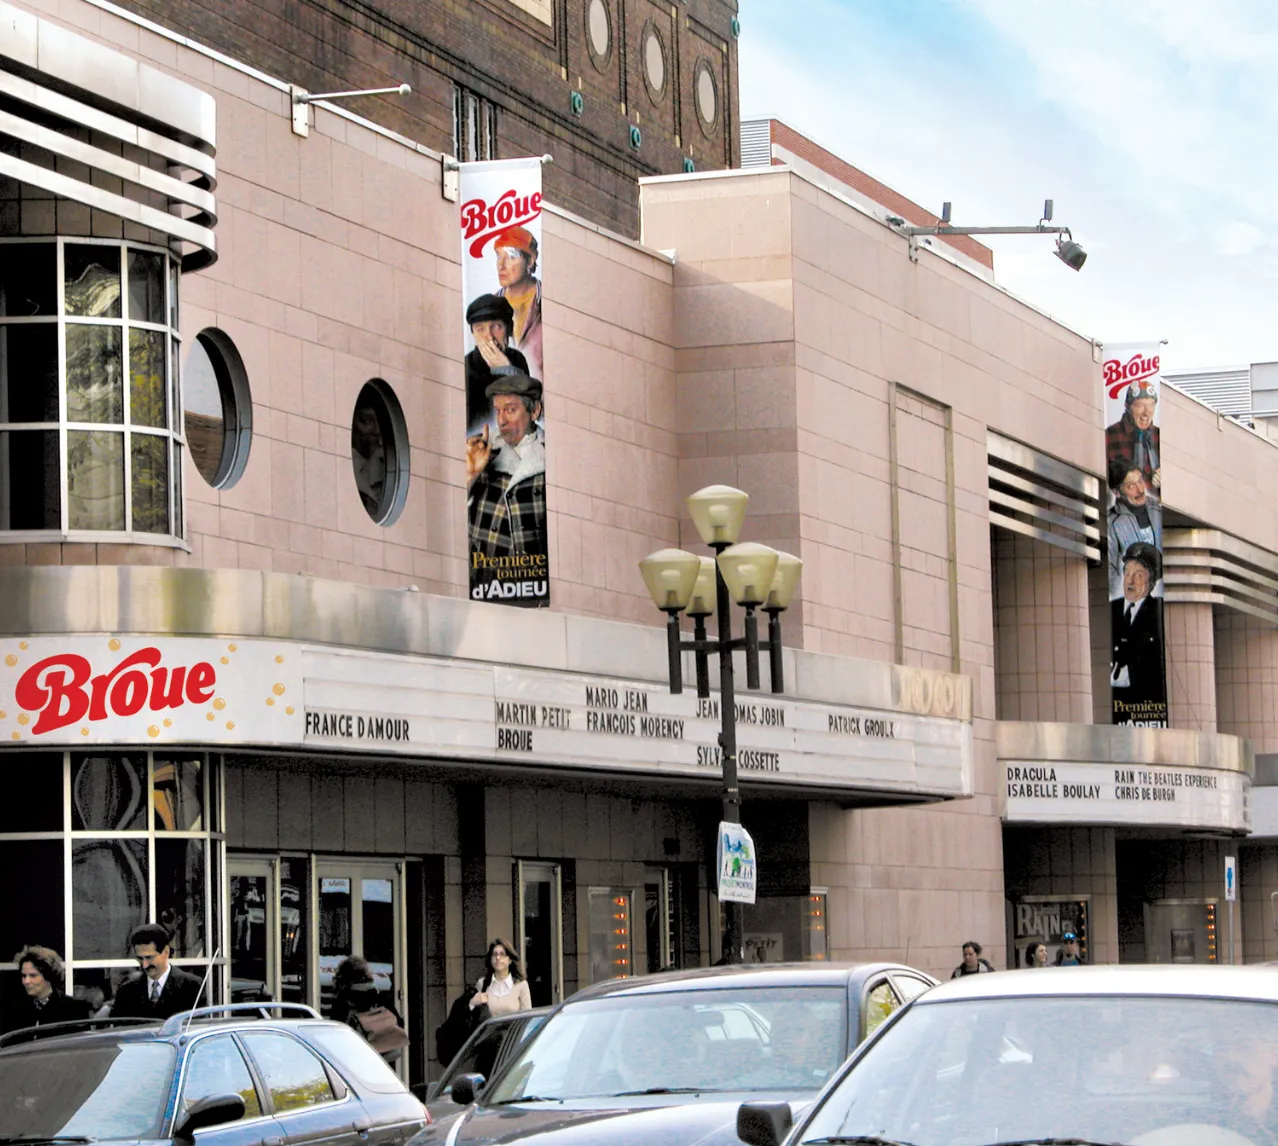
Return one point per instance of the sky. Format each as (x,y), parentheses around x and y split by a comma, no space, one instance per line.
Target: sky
(1153,124)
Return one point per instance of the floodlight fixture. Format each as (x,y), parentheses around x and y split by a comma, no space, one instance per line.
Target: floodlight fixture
(1067,250)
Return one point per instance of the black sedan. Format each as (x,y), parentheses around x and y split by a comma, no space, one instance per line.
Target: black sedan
(666,1060)
(216,1076)
(487,1050)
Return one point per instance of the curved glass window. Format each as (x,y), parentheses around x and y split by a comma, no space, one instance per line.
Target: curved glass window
(138,835)
(95,447)
(218,414)
(379,452)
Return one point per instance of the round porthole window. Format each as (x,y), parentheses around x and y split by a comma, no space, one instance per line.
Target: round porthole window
(217,409)
(654,62)
(599,33)
(707,95)
(379,452)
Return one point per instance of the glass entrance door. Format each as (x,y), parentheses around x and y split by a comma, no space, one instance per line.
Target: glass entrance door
(360,909)
(539,915)
(254,940)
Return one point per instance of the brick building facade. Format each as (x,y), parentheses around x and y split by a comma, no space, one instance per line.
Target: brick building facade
(571,78)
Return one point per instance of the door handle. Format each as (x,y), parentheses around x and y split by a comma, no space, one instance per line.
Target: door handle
(273,1141)
(361,1127)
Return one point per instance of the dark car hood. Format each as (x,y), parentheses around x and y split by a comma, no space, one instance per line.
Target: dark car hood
(709,1121)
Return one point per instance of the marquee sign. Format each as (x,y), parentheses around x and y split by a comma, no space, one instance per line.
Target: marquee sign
(95,690)
(1131,794)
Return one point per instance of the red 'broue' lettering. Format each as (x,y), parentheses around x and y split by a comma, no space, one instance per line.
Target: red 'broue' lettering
(1136,369)
(481,221)
(55,688)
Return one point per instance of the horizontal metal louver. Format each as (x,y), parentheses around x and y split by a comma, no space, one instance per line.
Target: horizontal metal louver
(1043,498)
(87,123)
(1228,391)
(756,143)
(1208,566)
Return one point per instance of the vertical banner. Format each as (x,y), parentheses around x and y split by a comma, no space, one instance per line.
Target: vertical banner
(505,405)
(737,864)
(1138,678)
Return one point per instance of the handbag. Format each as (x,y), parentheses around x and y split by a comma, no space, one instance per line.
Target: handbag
(381,1029)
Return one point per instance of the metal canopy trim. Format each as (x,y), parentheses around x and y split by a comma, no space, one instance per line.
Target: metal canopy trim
(75,84)
(1209,566)
(1039,497)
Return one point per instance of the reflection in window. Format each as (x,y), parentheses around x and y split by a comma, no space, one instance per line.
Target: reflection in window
(294,882)
(146,286)
(109,895)
(179,893)
(148,385)
(217,1067)
(100,371)
(150,483)
(179,794)
(217,409)
(95,385)
(108,792)
(95,479)
(250,960)
(93,280)
(379,452)
(293,1075)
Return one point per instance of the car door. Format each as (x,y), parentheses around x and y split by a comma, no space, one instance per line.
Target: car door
(307,1108)
(215,1065)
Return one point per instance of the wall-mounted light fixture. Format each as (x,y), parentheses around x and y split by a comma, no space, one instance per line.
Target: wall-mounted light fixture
(302,99)
(1068,251)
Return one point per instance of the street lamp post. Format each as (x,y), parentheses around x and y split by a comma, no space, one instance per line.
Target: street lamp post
(753,576)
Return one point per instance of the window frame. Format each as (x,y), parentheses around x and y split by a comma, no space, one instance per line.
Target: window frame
(184,1076)
(172,434)
(336,1084)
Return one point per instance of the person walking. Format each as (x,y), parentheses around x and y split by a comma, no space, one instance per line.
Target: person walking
(1069,954)
(1036,956)
(162,990)
(502,988)
(369,1012)
(972,963)
(43,1002)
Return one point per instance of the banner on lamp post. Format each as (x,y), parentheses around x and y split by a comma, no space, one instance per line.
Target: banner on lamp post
(1138,677)
(505,436)
(737,863)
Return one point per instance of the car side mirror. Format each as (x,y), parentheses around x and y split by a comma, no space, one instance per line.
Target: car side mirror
(764,1123)
(465,1087)
(211,1111)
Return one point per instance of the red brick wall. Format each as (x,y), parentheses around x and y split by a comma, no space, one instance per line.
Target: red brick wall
(524,68)
(911,212)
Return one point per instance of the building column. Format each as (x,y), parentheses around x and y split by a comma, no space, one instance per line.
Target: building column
(1042,666)
(1191,666)
(1247,679)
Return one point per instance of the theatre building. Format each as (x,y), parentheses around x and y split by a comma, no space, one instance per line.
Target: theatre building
(249,689)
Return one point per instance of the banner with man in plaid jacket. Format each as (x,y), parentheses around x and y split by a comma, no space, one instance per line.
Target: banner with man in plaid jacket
(505,432)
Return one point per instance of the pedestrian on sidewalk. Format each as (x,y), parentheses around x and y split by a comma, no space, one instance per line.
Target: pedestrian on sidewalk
(1069,954)
(1036,955)
(972,963)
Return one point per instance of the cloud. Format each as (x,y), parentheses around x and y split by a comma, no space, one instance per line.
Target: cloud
(1150,122)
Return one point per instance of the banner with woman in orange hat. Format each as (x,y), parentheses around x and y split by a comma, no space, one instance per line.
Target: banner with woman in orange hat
(505,407)
(1138,676)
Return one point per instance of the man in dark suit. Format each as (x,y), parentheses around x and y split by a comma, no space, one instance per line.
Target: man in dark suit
(43,1003)
(162,989)
(1136,629)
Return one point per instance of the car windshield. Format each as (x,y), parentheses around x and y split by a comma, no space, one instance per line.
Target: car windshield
(1139,1070)
(780,1038)
(107,1090)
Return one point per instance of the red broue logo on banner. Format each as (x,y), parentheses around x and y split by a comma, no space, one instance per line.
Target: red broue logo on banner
(60,688)
(1137,368)
(481,222)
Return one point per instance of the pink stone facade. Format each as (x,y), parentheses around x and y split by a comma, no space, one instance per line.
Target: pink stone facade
(789,347)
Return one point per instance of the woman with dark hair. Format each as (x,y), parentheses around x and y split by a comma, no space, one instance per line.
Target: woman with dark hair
(44,1002)
(503,988)
(1036,955)
(360,1005)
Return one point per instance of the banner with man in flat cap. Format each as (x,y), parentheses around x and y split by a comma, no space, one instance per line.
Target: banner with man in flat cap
(1138,677)
(505,403)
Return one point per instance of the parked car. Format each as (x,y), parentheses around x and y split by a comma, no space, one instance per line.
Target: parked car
(666,1060)
(1144,1055)
(486,1051)
(219,1076)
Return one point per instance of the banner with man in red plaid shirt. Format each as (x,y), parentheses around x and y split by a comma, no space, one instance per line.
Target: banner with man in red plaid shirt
(505,403)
